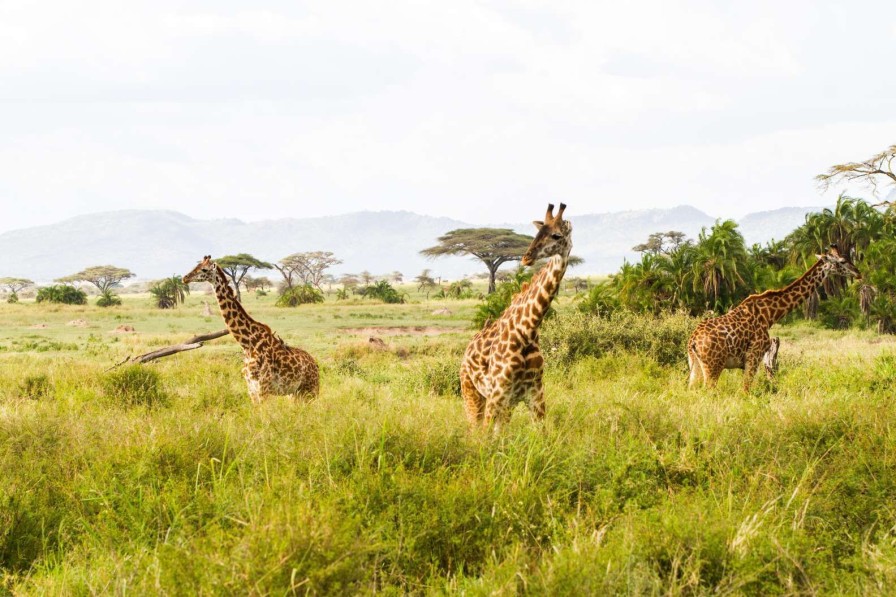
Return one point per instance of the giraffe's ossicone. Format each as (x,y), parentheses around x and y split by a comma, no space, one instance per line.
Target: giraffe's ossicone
(739,339)
(271,367)
(503,364)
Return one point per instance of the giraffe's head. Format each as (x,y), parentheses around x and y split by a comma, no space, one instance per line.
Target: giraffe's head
(204,272)
(554,237)
(835,263)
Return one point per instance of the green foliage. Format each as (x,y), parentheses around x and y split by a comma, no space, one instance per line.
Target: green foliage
(170,292)
(135,385)
(107,299)
(383,291)
(342,294)
(300,295)
(458,290)
(601,300)
(36,386)
(13,298)
(497,302)
(62,293)
(574,335)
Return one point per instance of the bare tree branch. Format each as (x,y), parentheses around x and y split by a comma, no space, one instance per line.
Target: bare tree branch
(191,344)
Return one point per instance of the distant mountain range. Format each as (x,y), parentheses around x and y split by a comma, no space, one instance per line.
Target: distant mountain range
(155,244)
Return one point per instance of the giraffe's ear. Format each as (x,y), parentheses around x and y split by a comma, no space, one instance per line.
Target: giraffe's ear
(538,223)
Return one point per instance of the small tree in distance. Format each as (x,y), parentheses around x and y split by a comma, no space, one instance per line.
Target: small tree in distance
(104,277)
(492,246)
(13,286)
(237,266)
(425,281)
(309,268)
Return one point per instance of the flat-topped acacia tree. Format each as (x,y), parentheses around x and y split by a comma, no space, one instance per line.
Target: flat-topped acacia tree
(237,266)
(104,277)
(13,286)
(492,246)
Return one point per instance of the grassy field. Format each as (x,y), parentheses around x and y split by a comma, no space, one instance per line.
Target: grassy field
(165,479)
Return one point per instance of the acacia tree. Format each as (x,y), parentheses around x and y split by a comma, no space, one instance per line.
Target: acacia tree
(237,266)
(13,286)
(492,246)
(424,281)
(104,277)
(309,268)
(867,172)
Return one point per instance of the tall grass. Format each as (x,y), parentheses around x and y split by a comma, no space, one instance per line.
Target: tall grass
(632,485)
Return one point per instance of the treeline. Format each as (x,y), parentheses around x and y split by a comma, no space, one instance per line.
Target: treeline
(717,270)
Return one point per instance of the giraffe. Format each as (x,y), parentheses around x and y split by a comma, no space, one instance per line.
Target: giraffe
(503,364)
(271,366)
(739,339)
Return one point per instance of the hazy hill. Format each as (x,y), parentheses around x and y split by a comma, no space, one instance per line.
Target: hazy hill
(154,244)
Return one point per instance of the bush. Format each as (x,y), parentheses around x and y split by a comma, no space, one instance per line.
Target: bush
(601,300)
(300,295)
(36,387)
(461,289)
(384,291)
(107,299)
(61,293)
(135,385)
(168,293)
(500,299)
(576,334)
(13,298)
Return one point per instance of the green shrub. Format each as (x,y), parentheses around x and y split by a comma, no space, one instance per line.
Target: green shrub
(384,291)
(107,299)
(13,298)
(576,334)
(461,289)
(300,295)
(135,385)
(62,293)
(500,299)
(168,293)
(441,378)
(36,387)
(601,300)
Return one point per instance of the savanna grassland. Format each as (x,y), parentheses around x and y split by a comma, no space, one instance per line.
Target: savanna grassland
(163,478)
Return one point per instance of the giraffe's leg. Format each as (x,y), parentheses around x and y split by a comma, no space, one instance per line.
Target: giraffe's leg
(497,406)
(751,363)
(535,392)
(712,371)
(474,402)
(536,401)
(695,368)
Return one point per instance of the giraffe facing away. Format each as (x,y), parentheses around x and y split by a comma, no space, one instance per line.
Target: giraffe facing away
(271,366)
(503,364)
(739,339)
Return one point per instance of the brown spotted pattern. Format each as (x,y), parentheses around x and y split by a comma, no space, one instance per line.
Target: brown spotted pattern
(502,365)
(271,367)
(739,339)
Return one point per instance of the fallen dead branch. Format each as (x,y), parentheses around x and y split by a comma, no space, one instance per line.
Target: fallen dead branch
(191,344)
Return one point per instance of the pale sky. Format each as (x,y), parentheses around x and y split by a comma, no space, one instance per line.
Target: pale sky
(481,111)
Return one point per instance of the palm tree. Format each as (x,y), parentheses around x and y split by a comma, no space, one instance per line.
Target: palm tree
(720,269)
(170,292)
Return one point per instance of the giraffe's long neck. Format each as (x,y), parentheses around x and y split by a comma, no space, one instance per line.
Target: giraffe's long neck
(529,309)
(242,327)
(775,304)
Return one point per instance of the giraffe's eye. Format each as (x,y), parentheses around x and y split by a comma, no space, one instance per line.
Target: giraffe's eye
(556,236)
